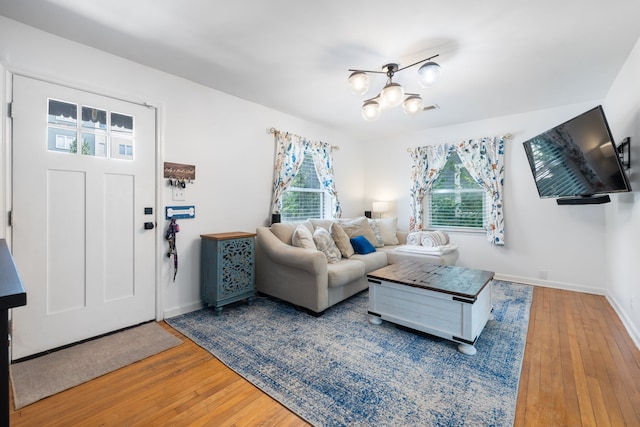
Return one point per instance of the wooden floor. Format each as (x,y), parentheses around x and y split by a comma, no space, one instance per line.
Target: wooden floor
(580,368)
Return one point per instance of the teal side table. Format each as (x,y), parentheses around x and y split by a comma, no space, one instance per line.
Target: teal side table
(227,268)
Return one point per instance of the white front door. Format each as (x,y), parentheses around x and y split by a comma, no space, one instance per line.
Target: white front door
(83,180)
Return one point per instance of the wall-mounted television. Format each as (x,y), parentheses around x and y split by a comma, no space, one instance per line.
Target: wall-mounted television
(577,162)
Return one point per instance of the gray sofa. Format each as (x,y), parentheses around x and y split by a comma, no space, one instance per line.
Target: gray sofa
(304,277)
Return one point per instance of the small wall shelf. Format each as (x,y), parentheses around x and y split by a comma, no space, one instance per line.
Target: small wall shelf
(624,152)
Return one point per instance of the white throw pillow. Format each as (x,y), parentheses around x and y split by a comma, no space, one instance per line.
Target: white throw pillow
(303,238)
(324,242)
(388,228)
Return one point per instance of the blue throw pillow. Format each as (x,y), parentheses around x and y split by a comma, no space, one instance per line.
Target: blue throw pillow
(361,245)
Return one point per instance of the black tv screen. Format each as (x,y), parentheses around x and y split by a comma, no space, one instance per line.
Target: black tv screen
(577,158)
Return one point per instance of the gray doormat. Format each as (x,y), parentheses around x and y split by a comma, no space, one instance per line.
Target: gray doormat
(47,375)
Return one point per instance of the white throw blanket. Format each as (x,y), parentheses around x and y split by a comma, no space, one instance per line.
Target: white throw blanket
(414,238)
(430,239)
(434,239)
(425,250)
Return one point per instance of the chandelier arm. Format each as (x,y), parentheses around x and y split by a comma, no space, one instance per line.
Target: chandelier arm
(416,63)
(371,99)
(368,71)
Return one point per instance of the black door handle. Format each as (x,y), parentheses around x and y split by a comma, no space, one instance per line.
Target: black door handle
(148,226)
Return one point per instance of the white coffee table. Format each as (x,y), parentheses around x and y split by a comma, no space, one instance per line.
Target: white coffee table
(442,300)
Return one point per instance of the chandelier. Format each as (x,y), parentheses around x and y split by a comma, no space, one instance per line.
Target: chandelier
(392,94)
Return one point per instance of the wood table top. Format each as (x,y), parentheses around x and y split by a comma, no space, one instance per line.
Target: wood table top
(449,279)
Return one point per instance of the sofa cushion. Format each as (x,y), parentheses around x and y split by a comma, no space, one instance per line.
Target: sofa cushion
(341,239)
(372,261)
(302,238)
(344,272)
(361,245)
(388,228)
(284,230)
(358,227)
(324,242)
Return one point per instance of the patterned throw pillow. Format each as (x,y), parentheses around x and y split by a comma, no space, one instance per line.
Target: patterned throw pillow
(303,238)
(324,242)
(376,231)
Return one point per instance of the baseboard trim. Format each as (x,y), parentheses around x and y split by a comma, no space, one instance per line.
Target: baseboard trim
(173,312)
(624,318)
(550,284)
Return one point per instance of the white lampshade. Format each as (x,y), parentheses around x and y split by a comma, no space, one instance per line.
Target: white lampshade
(380,206)
(428,73)
(371,110)
(413,105)
(359,82)
(391,95)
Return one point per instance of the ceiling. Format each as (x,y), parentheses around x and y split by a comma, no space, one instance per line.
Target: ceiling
(498,57)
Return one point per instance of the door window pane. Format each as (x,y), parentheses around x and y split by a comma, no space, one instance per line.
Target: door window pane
(93,118)
(122,148)
(62,113)
(62,140)
(94,144)
(121,123)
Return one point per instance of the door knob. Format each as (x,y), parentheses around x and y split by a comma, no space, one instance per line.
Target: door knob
(148,226)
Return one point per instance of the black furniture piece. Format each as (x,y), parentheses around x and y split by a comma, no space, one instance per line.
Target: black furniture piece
(12,294)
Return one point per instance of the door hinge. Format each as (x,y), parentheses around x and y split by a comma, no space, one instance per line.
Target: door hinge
(10,217)
(10,109)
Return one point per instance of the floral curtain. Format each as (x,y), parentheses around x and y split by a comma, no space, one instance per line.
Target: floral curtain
(428,161)
(484,159)
(289,157)
(291,150)
(322,155)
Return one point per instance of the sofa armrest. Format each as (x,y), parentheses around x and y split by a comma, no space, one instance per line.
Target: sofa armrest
(314,262)
(297,275)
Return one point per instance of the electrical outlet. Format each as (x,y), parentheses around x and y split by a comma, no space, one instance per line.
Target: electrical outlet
(179,194)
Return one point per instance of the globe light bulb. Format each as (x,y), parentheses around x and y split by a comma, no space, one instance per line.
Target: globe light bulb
(371,110)
(392,95)
(428,73)
(359,82)
(412,105)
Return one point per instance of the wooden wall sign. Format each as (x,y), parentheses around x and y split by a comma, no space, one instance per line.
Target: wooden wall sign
(179,171)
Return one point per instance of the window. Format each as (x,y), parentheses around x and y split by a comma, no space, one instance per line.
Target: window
(93,130)
(306,197)
(456,200)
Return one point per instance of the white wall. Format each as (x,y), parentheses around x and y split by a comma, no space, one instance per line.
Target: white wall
(622,105)
(225,137)
(565,242)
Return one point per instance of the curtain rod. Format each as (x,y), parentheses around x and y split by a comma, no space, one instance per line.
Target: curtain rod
(505,136)
(276,131)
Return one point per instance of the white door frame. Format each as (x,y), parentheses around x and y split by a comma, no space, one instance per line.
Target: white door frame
(6,179)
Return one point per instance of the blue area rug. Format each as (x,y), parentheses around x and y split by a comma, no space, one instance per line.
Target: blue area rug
(339,369)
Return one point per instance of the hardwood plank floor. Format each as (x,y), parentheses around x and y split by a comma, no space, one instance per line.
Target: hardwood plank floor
(580,368)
